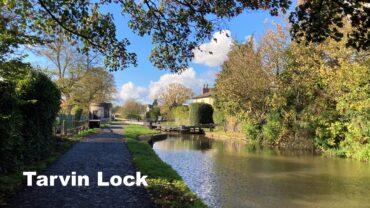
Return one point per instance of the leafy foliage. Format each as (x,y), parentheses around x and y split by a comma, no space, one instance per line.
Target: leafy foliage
(153,114)
(40,99)
(11,149)
(312,94)
(218,116)
(180,114)
(317,20)
(173,95)
(96,85)
(41,21)
(242,84)
(132,109)
(176,27)
(28,110)
(271,130)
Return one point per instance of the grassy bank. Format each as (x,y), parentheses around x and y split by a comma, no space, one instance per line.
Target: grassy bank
(220,134)
(13,182)
(166,187)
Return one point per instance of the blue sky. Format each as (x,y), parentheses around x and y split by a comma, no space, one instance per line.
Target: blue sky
(144,81)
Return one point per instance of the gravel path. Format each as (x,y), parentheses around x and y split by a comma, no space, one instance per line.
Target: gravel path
(104,152)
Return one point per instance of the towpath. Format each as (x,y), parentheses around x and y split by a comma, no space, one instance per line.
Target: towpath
(104,152)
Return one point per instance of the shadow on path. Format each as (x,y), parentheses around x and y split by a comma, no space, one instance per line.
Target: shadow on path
(104,152)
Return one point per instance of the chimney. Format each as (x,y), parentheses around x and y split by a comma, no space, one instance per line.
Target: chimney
(205,89)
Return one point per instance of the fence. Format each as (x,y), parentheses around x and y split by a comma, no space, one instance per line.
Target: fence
(68,125)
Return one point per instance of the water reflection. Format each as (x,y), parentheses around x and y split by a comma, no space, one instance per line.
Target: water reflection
(234,174)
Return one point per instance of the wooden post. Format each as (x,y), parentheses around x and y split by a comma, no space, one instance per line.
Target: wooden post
(73,122)
(62,128)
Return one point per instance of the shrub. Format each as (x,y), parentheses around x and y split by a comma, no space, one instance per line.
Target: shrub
(200,113)
(153,114)
(272,128)
(218,116)
(180,115)
(40,103)
(28,108)
(11,151)
(251,129)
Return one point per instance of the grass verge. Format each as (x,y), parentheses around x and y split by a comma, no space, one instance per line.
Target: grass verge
(166,187)
(13,182)
(220,134)
(87,132)
(104,126)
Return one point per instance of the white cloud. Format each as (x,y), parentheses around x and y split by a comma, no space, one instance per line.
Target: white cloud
(219,46)
(188,78)
(131,91)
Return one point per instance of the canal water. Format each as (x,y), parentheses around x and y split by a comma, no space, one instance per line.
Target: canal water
(234,174)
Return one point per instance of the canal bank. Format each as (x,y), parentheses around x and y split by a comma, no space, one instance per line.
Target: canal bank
(297,143)
(166,187)
(223,135)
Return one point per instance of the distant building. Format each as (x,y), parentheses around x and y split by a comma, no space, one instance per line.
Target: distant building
(149,107)
(205,97)
(100,112)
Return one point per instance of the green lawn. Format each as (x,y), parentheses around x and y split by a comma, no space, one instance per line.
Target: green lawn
(166,187)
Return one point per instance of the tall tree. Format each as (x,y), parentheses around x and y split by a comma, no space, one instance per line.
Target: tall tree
(132,109)
(273,46)
(174,94)
(66,65)
(242,85)
(97,85)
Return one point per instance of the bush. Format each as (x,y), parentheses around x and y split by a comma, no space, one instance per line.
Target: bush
(200,113)
(40,103)
(272,128)
(218,116)
(11,151)
(153,114)
(180,114)
(132,116)
(251,129)
(28,108)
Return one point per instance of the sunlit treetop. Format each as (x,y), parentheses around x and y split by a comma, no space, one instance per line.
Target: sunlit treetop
(176,27)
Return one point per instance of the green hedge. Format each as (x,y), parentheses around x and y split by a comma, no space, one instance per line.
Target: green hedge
(200,113)
(40,105)
(28,108)
(218,116)
(180,115)
(11,149)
